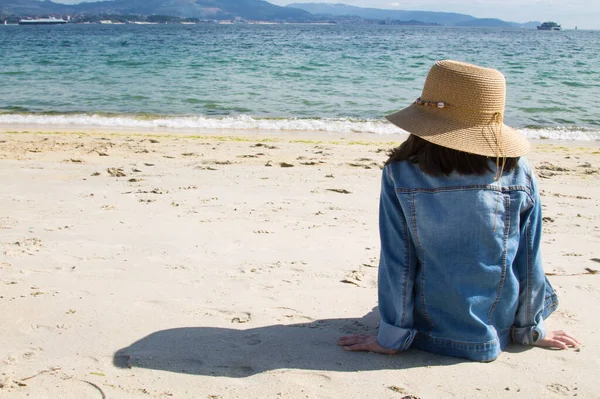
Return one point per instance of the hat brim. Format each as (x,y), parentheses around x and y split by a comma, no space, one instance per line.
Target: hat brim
(473,137)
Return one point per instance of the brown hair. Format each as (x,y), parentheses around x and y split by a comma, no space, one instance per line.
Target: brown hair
(436,160)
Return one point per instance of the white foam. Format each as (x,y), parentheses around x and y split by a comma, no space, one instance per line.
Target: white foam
(244,122)
(562,133)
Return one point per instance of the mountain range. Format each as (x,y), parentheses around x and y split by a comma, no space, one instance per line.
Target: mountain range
(244,9)
(206,9)
(441,18)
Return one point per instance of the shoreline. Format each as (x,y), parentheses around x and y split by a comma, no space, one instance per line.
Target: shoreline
(183,132)
(249,134)
(253,124)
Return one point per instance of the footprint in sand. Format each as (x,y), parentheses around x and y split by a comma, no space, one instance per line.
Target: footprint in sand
(561,389)
(31,353)
(27,246)
(216,162)
(233,317)
(289,315)
(355,278)
(268,147)
(312,163)
(116,172)
(241,318)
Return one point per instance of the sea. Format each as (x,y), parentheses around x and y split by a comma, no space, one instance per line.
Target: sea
(285,77)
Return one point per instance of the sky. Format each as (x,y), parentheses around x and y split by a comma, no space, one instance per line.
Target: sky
(585,14)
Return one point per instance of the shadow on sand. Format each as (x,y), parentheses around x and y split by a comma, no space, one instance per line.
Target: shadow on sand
(241,353)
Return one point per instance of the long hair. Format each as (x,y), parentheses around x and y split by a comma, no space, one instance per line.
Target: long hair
(436,160)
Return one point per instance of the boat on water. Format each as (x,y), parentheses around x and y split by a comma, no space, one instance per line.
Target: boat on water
(42,21)
(549,26)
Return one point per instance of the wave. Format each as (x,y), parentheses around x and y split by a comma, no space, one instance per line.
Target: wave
(245,122)
(242,122)
(561,133)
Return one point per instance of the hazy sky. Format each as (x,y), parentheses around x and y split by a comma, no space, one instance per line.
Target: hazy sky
(585,14)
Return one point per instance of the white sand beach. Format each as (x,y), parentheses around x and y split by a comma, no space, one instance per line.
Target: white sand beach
(222,265)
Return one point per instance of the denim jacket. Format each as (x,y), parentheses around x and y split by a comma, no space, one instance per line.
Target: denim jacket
(460,271)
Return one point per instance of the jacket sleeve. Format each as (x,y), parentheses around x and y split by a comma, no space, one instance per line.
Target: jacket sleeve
(528,327)
(397,266)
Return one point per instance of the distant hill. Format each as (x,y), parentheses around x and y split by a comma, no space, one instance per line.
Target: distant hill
(443,18)
(212,9)
(486,22)
(527,25)
(32,7)
(215,9)
(249,10)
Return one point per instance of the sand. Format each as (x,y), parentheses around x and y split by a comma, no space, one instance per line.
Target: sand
(224,265)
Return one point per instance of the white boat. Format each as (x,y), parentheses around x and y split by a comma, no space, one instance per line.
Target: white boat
(42,21)
(549,26)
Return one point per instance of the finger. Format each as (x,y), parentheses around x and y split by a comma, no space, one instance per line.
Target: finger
(569,341)
(551,343)
(555,343)
(352,340)
(347,338)
(352,336)
(564,335)
(573,338)
(358,347)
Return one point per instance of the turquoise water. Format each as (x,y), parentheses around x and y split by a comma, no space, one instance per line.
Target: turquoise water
(285,77)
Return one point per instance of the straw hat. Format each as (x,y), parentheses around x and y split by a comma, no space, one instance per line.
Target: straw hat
(462,107)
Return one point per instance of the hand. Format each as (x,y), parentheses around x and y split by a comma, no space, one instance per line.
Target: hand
(361,342)
(558,340)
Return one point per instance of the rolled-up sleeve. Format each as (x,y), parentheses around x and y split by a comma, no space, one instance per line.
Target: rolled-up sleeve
(529,327)
(397,267)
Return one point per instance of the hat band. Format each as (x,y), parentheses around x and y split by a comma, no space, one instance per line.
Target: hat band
(439,104)
(442,104)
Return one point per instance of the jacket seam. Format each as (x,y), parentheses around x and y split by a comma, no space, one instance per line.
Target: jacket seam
(469,346)
(491,187)
(504,257)
(413,215)
(406,271)
(529,269)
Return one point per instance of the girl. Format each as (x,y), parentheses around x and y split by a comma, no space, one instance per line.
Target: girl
(460,271)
